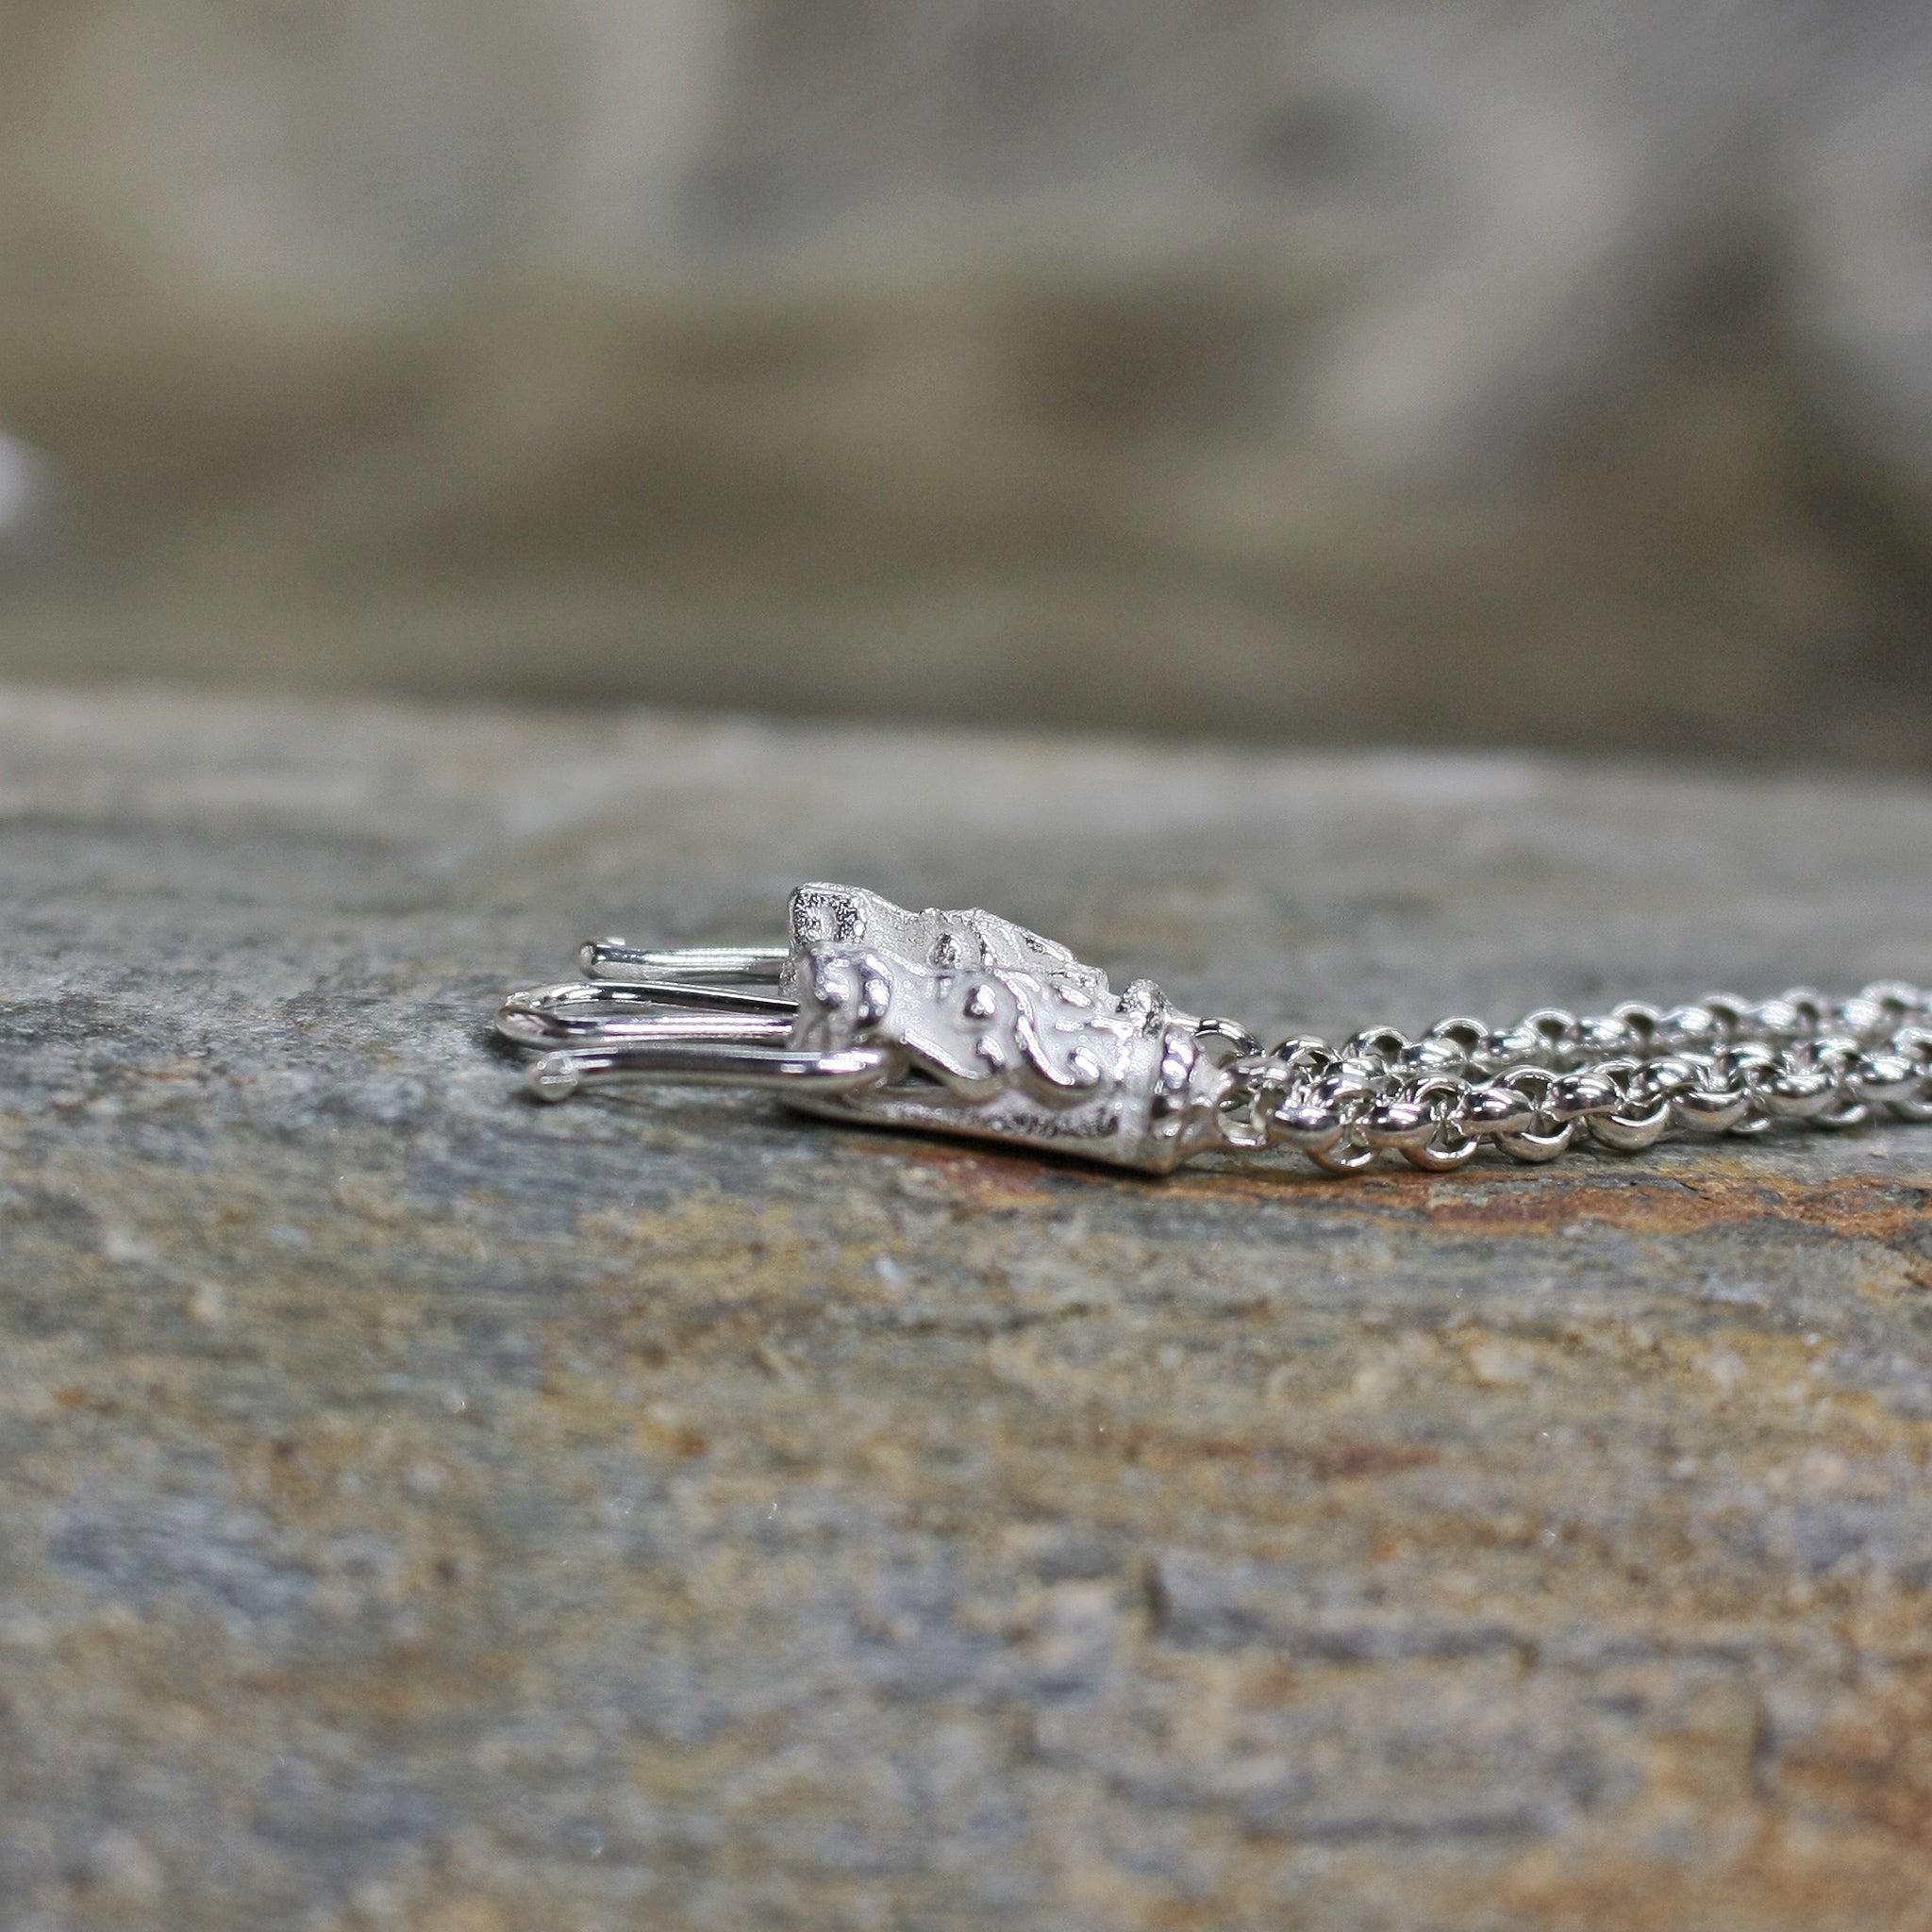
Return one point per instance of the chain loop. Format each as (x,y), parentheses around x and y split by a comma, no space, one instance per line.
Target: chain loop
(1628,1077)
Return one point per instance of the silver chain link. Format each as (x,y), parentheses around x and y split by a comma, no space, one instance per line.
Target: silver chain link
(1624,1078)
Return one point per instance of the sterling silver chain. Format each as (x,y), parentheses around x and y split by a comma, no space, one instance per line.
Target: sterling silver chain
(1625,1078)
(962,1023)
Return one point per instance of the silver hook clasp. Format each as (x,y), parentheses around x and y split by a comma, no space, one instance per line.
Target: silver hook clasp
(956,1022)
(673,1015)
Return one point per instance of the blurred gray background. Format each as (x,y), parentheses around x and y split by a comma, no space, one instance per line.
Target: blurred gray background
(1535,373)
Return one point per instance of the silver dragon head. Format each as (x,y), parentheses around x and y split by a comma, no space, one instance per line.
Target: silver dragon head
(955,1023)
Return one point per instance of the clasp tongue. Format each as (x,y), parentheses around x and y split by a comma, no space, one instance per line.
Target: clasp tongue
(689,1016)
(685,969)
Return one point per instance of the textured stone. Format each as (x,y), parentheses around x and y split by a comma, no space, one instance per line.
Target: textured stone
(424,1508)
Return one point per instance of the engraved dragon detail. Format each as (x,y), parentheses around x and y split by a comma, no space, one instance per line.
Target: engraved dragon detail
(997,1032)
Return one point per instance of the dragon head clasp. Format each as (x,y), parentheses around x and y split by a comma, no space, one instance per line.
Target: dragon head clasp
(953,1023)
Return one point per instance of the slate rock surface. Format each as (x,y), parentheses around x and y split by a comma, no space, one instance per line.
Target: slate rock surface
(426,1510)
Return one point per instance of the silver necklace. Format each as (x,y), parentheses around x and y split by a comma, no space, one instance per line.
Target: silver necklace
(960,1023)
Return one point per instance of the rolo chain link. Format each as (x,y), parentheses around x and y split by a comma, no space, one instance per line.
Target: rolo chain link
(1624,1078)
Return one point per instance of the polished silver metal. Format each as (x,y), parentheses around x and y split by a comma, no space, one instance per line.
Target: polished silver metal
(955,1021)
(960,1023)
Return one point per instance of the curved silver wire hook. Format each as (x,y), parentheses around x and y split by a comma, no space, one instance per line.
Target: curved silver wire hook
(677,1015)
